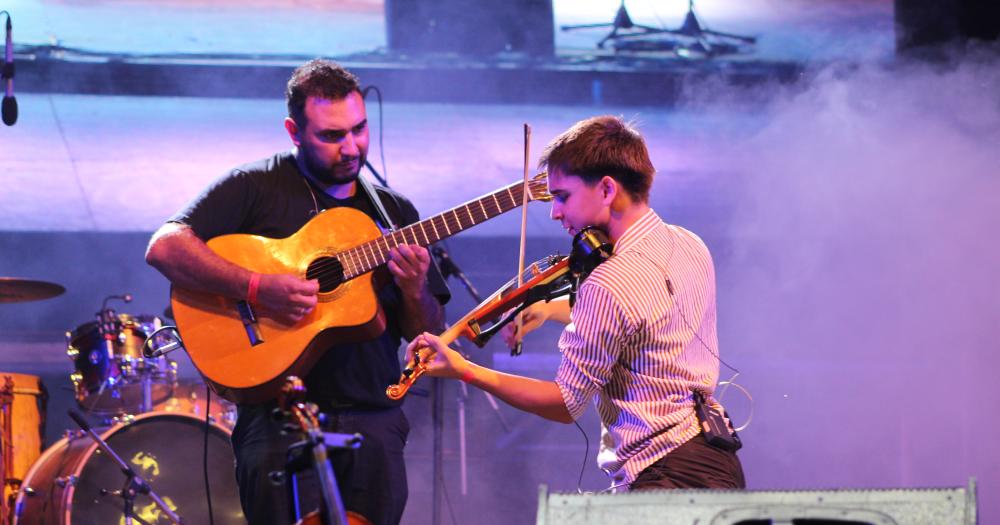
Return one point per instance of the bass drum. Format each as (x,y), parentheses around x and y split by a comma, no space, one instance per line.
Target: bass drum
(189,398)
(72,480)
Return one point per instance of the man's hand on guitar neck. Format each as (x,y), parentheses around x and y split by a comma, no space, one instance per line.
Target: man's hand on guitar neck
(286,298)
(408,265)
(422,312)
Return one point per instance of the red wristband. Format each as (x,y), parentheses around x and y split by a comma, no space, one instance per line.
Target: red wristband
(252,289)
(467,374)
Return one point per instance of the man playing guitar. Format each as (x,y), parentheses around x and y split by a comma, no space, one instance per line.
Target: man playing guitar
(274,198)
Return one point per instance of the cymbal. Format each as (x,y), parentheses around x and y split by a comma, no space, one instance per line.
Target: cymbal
(15,290)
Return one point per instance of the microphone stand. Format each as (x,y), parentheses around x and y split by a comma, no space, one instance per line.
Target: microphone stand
(134,484)
(450,269)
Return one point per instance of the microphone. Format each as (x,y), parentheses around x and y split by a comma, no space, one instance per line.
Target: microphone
(9,108)
(448,267)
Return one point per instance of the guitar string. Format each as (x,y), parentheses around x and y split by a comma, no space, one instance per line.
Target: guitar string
(322,269)
(360,256)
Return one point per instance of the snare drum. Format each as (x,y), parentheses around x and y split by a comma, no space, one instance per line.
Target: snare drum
(69,482)
(108,375)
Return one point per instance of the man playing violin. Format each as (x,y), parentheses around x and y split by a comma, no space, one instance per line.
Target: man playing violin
(328,126)
(641,339)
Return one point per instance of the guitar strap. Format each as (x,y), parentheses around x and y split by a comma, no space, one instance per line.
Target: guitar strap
(376,202)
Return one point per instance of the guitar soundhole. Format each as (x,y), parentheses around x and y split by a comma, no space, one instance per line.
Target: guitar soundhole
(328,270)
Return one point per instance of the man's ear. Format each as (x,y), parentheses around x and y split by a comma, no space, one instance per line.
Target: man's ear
(609,187)
(293,130)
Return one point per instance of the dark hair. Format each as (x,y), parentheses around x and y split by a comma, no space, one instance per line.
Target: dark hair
(321,79)
(600,146)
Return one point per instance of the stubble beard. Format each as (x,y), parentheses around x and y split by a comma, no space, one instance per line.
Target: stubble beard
(330,175)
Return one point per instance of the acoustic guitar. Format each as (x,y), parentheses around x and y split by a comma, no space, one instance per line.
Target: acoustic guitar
(246,357)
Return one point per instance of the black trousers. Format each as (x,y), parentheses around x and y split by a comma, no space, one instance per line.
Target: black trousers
(372,479)
(693,465)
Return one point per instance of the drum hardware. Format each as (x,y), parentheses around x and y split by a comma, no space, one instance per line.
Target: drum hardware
(70,434)
(63,481)
(134,484)
(162,341)
(112,375)
(124,420)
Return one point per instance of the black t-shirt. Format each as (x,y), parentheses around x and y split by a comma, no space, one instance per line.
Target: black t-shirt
(272,198)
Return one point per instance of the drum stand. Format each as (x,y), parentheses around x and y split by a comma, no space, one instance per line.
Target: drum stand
(146,380)
(134,484)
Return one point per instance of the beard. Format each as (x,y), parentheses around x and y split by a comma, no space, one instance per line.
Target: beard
(344,172)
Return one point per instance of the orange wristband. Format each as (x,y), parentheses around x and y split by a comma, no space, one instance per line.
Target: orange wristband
(252,289)
(467,374)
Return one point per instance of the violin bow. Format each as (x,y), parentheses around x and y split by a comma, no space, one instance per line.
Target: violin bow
(519,322)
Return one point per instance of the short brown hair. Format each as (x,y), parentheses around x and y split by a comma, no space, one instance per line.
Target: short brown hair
(321,79)
(600,146)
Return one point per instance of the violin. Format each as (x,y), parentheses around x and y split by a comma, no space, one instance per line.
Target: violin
(546,279)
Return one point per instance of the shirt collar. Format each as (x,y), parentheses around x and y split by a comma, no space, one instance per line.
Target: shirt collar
(638,230)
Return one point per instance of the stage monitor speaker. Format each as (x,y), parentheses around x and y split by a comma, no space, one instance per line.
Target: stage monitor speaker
(478,28)
(923,23)
(955,506)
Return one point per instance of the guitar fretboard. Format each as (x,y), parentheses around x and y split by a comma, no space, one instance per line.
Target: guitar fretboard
(366,257)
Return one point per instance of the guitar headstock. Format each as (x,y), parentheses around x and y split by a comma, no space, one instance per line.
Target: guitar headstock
(538,188)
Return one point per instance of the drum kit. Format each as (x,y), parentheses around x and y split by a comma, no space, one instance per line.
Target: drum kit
(167,431)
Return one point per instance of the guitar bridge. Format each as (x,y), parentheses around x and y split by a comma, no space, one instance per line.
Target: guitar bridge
(250,324)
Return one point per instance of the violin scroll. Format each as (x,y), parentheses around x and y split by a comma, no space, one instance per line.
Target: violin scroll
(410,374)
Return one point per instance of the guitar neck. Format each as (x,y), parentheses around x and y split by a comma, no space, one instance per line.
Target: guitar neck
(370,255)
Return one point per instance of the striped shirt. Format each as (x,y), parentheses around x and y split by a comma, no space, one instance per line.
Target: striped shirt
(636,345)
